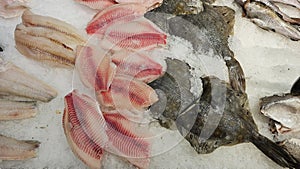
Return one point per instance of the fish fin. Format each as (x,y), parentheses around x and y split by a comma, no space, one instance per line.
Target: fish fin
(295,90)
(236,75)
(276,153)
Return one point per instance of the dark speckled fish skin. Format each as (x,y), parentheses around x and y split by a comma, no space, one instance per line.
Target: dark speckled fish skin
(212,27)
(220,117)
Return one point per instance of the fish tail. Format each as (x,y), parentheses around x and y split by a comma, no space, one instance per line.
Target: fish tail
(275,152)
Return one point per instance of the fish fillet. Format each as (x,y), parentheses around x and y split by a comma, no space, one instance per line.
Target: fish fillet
(135,35)
(121,13)
(80,142)
(127,93)
(96,4)
(128,139)
(12,149)
(138,65)
(13,110)
(48,39)
(12,8)
(15,82)
(95,68)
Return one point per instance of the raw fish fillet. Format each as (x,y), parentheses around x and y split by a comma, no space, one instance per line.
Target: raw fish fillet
(121,13)
(14,110)
(138,65)
(95,68)
(128,139)
(15,83)
(76,129)
(127,93)
(48,39)
(96,4)
(135,35)
(150,4)
(12,149)
(12,8)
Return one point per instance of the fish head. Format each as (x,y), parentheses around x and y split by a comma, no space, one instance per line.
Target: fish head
(284,111)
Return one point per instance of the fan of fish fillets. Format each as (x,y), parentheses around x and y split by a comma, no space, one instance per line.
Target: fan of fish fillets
(267,15)
(48,39)
(19,93)
(118,72)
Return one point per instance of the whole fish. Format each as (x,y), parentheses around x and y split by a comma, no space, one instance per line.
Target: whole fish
(220,117)
(266,18)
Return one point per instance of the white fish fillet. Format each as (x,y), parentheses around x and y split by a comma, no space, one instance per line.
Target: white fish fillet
(13,110)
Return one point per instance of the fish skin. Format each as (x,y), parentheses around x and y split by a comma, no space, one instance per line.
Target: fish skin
(220,117)
(81,144)
(213,26)
(295,90)
(15,82)
(292,145)
(96,4)
(266,18)
(128,140)
(138,65)
(294,3)
(276,9)
(13,110)
(127,93)
(95,68)
(12,8)
(12,149)
(120,13)
(48,39)
(140,34)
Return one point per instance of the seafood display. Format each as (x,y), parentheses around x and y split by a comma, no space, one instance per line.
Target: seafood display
(267,15)
(12,149)
(47,39)
(284,113)
(12,8)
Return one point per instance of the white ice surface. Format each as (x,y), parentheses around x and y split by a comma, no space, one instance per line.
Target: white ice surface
(270,61)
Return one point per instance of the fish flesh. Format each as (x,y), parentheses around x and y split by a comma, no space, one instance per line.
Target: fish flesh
(138,65)
(96,4)
(213,26)
(150,4)
(12,8)
(15,84)
(13,110)
(80,142)
(12,149)
(48,39)
(221,117)
(127,93)
(89,133)
(266,18)
(128,139)
(121,13)
(94,67)
(139,34)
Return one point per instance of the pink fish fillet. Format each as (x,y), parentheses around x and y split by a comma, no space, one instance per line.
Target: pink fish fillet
(121,13)
(127,93)
(151,4)
(12,8)
(79,140)
(128,139)
(137,65)
(97,4)
(94,68)
(135,35)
